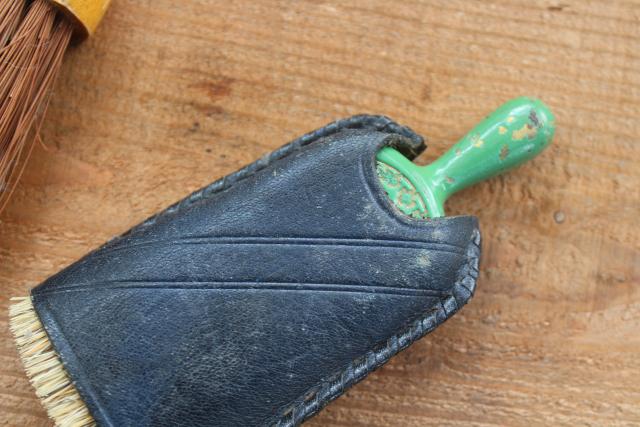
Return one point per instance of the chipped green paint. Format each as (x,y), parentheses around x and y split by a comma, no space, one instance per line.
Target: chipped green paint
(516,132)
(402,192)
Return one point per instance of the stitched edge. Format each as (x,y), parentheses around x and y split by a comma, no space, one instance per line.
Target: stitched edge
(316,398)
(363,121)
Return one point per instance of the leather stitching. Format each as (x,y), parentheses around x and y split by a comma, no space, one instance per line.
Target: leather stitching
(325,391)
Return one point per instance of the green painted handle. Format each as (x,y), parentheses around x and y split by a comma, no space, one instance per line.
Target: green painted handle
(514,133)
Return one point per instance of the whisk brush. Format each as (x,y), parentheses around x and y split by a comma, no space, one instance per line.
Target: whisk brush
(34,35)
(168,326)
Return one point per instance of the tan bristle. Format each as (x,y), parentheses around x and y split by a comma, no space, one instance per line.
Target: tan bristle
(10,16)
(33,39)
(44,368)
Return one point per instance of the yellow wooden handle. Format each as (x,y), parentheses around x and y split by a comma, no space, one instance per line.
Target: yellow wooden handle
(87,13)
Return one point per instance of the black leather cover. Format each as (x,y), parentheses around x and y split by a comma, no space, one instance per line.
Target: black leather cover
(262,297)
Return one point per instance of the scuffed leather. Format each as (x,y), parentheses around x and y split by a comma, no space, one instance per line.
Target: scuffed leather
(260,298)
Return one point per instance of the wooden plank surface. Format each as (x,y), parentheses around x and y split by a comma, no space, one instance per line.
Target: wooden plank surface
(169,96)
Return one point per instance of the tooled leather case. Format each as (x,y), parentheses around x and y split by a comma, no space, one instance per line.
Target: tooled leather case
(260,298)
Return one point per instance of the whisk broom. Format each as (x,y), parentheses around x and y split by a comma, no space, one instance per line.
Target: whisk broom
(192,319)
(34,36)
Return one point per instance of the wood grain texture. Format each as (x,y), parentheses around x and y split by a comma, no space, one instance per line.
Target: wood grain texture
(169,96)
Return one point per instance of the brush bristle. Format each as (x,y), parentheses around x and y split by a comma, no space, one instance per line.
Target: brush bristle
(44,368)
(33,39)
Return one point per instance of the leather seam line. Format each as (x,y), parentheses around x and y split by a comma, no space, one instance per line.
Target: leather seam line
(242,286)
(365,243)
(325,391)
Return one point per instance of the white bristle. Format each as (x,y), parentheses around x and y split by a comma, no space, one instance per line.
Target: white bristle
(44,368)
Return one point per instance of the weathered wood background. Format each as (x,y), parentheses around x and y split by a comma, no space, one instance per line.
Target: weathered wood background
(169,96)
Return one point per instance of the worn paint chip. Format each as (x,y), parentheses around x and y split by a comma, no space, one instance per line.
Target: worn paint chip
(526,131)
(504,152)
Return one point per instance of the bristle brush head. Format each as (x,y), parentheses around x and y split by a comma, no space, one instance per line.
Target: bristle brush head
(45,369)
(33,39)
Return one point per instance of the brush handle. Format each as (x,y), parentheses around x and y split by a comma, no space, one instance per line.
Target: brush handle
(514,133)
(86,14)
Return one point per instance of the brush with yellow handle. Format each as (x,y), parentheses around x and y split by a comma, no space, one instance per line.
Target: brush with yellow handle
(34,36)
(263,296)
